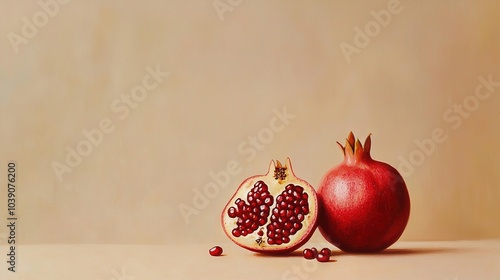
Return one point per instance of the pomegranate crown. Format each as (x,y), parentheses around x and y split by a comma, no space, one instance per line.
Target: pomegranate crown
(353,150)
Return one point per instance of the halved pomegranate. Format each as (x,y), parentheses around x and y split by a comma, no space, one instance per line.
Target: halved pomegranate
(273,213)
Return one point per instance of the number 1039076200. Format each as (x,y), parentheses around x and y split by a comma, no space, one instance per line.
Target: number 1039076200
(11,188)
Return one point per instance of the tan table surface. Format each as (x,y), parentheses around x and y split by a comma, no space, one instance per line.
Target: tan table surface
(451,260)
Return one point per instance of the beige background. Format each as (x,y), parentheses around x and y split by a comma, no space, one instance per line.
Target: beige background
(227,75)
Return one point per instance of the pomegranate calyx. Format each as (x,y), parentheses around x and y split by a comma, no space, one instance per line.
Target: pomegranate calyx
(354,151)
(368,145)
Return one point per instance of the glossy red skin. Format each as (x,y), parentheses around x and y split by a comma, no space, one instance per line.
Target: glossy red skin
(364,206)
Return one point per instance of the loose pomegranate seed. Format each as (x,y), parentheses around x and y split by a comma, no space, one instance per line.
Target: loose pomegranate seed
(308,254)
(215,251)
(326,251)
(322,257)
(315,251)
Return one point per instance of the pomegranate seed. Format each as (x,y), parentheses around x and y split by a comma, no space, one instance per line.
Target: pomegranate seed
(239,202)
(326,251)
(282,213)
(260,184)
(308,254)
(297,196)
(231,212)
(236,232)
(300,217)
(322,257)
(315,251)
(215,251)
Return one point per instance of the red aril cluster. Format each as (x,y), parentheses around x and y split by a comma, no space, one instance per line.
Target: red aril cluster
(287,216)
(252,213)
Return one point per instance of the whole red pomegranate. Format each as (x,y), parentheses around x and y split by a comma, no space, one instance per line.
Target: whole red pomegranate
(364,203)
(275,213)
